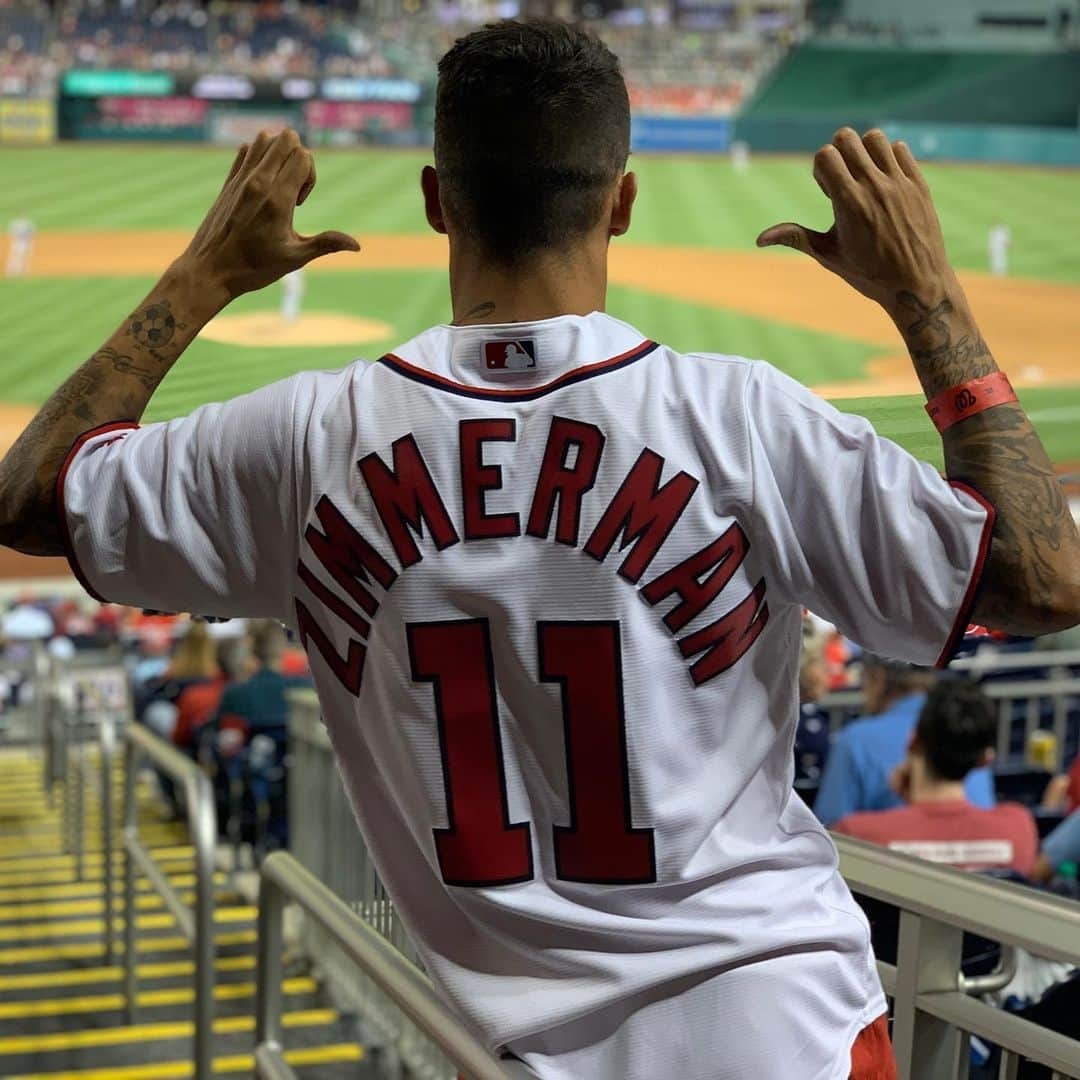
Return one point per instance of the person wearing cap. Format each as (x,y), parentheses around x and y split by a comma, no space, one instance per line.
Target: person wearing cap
(954,735)
(867,750)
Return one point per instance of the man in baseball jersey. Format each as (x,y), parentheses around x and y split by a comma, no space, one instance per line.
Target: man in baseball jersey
(553,609)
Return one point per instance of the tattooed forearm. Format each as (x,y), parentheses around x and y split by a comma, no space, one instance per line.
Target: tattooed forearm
(124,365)
(1035,542)
(945,353)
(1031,583)
(115,384)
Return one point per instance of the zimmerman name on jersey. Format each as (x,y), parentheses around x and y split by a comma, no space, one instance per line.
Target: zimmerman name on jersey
(551,578)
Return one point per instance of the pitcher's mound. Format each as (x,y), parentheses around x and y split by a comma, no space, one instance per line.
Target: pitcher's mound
(267,329)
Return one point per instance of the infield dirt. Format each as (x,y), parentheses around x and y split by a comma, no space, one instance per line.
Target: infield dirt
(1032,326)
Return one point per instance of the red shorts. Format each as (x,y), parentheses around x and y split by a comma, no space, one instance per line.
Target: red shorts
(872,1055)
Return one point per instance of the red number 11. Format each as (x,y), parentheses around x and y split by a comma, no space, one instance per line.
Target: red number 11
(481,846)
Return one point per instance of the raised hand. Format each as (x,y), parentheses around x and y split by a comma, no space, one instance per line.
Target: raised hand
(247,240)
(886,238)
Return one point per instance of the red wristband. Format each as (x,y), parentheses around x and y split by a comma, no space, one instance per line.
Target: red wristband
(970,398)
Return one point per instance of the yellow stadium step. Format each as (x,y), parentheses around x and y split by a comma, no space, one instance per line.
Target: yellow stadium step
(86,1038)
(95,950)
(146,999)
(87,927)
(101,976)
(338,1053)
(89,889)
(63,1006)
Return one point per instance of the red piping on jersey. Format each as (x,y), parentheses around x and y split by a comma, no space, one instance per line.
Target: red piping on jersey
(964,614)
(430,378)
(61,510)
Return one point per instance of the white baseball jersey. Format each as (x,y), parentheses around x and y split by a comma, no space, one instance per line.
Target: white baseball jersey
(553,613)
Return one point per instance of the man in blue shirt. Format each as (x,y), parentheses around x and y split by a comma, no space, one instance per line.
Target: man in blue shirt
(867,750)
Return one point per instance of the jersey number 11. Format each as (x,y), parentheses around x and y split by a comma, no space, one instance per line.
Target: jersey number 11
(481,846)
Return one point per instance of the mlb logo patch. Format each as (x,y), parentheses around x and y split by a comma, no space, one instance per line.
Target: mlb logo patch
(517,355)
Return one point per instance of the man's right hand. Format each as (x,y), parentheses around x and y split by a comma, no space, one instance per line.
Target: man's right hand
(886,241)
(247,240)
(886,238)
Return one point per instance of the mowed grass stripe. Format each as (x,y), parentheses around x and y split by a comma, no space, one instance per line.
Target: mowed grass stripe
(95,950)
(97,976)
(86,927)
(334,1054)
(145,999)
(144,1033)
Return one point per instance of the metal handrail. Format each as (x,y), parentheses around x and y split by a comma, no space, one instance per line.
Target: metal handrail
(1003,911)
(198,925)
(984,663)
(934,1009)
(285,879)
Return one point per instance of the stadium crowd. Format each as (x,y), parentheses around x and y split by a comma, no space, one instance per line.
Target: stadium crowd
(707,65)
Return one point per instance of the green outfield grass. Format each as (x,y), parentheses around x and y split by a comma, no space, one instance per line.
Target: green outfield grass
(49,325)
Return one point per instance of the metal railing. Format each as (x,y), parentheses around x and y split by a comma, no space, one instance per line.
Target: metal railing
(1020,703)
(321,826)
(196,925)
(284,880)
(71,728)
(989,662)
(935,1013)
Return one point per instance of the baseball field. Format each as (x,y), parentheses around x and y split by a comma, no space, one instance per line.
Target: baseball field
(110,217)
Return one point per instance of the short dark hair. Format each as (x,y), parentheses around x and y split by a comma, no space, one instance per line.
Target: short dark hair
(268,641)
(532,127)
(956,727)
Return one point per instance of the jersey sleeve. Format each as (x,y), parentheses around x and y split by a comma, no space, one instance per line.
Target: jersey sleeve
(197,514)
(856,529)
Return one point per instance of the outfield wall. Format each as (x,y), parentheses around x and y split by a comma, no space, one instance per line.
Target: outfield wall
(1020,107)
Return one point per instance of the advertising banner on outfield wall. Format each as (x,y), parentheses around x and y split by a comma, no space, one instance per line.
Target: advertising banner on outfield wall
(27,120)
(353,123)
(233,125)
(133,118)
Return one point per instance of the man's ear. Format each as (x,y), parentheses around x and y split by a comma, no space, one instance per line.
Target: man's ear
(429,184)
(623,207)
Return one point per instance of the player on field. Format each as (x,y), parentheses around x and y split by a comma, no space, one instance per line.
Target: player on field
(553,609)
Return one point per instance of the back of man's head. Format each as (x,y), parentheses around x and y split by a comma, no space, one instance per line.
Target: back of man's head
(268,642)
(234,657)
(532,129)
(956,729)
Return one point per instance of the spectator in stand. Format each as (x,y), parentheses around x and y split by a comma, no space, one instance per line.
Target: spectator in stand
(954,736)
(812,734)
(1062,846)
(866,751)
(192,663)
(198,703)
(261,702)
(1063,792)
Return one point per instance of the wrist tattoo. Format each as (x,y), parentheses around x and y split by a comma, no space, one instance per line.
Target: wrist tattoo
(942,358)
